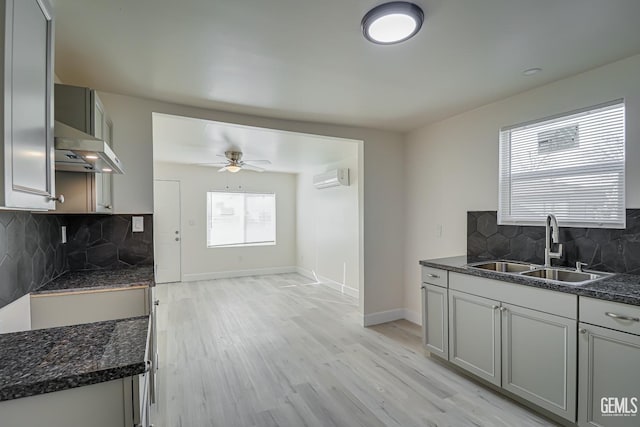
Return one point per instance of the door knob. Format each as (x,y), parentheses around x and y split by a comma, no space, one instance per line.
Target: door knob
(156,302)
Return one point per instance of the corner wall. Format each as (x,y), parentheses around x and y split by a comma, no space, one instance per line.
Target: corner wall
(328,233)
(452,165)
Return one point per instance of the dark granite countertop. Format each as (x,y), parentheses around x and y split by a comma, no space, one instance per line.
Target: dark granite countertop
(624,288)
(55,359)
(99,279)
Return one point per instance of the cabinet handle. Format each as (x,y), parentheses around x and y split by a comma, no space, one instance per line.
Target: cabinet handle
(177,239)
(59,199)
(582,331)
(433,276)
(621,317)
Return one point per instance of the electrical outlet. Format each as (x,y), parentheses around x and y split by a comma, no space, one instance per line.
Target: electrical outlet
(64,234)
(137,225)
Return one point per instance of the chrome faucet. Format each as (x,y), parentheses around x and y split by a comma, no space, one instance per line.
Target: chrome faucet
(552,236)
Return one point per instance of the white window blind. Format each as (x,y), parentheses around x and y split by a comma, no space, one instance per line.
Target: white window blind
(571,165)
(238,219)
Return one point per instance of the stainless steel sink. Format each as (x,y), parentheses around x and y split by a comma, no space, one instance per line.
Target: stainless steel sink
(504,266)
(557,274)
(569,277)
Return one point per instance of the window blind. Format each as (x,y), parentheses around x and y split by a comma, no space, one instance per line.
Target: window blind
(571,165)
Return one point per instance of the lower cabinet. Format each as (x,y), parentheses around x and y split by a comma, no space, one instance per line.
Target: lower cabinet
(527,352)
(609,377)
(72,308)
(474,335)
(435,319)
(108,404)
(539,358)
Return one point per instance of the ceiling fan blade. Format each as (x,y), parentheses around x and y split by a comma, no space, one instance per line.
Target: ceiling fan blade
(252,168)
(210,164)
(224,169)
(263,162)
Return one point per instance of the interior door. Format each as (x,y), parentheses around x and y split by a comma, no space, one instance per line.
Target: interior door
(166,230)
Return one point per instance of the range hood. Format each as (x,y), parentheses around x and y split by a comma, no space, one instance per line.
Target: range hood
(77,151)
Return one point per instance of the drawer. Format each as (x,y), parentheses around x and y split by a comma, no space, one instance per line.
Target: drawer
(434,276)
(612,315)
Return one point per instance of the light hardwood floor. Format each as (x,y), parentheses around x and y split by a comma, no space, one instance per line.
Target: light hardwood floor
(277,351)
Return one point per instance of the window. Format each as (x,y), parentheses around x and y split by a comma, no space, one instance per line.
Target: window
(239,219)
(570,165)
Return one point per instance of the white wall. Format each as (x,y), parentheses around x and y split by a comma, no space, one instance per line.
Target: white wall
(452,165)
(382,167)
(328,233)
(200,262)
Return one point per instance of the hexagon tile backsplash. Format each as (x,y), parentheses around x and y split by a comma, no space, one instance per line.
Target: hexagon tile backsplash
(32,252)
(602,249)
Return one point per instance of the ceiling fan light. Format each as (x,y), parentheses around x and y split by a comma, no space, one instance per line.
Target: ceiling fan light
(233,168)
(393,22)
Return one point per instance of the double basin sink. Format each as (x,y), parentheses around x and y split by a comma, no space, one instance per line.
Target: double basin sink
(554,274)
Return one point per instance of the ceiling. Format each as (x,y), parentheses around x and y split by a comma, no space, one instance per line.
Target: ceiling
(307,59)
(191,141)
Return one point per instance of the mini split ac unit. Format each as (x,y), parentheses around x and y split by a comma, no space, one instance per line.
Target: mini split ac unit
(332,178)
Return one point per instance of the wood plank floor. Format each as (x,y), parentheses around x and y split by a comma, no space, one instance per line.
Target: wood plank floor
(277,351)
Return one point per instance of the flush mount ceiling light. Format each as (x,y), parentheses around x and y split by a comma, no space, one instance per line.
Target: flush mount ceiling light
(392,23)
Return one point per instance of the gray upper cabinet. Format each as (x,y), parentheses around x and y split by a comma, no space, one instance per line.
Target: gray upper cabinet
(81,108)
(539,358)
(27,178)
(474,335)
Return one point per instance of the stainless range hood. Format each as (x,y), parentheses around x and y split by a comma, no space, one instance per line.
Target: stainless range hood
(77,151)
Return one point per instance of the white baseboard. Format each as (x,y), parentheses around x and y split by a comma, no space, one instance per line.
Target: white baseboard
(383,317)
(237,273)
(328,282)
(413,316)
(391,315)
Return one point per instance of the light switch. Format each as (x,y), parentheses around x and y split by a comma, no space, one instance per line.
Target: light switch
(137,224)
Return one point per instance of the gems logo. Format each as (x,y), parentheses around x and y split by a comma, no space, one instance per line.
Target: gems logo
(619,406)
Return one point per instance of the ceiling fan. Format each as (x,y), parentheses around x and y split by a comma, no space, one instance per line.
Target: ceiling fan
(234,163)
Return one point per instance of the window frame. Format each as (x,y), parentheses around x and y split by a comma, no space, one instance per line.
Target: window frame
(506,180)
(209,219)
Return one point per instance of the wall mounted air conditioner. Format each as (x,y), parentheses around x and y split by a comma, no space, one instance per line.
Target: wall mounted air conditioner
(332,178)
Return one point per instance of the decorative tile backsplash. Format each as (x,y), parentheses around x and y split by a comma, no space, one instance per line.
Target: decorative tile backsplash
(106,241)
(602,249)
(32,252)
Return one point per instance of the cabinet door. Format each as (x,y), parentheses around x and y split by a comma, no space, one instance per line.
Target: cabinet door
(435,320)
(609,376)
(539,358)
(474,335)
(103,180)
(28,116)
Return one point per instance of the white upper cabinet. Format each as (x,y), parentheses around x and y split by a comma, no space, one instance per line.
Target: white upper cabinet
(27,178)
